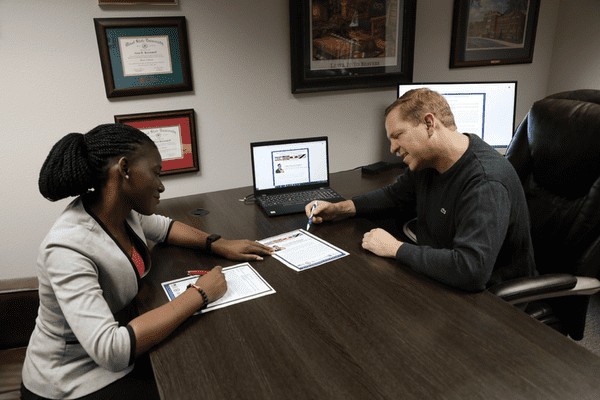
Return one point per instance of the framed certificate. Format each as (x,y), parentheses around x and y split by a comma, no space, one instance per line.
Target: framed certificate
(143,55)
(351,45)
(173,132)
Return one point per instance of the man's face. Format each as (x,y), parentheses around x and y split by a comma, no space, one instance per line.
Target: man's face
(409,141)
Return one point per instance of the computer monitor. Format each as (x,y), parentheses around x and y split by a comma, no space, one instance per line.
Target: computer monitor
(486,109)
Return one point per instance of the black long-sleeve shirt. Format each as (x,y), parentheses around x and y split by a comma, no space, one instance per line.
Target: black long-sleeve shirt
(472,220)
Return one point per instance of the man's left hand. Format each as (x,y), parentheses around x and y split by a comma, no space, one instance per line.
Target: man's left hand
(381,243)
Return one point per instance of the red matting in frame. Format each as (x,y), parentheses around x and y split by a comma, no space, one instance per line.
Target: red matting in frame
(184,119)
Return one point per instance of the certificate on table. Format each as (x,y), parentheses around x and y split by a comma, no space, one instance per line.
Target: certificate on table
(301,250)
(243,284)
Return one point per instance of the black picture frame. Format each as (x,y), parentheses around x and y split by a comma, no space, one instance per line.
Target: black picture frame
(485,36)
(336,47)
(144,55)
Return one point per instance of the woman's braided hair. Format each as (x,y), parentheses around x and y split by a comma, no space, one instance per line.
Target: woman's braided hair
(78,163)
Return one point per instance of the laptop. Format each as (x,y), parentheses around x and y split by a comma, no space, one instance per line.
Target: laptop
(288,174)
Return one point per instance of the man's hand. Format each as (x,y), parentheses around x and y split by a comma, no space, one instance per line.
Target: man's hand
(326,211)
(241,250)
(381,243)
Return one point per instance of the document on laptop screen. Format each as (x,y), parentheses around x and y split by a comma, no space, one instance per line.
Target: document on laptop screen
(301,250)
(289,164)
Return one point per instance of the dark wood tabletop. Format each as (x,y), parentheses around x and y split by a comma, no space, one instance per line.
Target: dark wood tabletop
(360,327)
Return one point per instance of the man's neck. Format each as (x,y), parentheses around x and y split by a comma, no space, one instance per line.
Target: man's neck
(452,146)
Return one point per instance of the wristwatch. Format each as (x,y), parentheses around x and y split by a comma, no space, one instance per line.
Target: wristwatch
(210,240)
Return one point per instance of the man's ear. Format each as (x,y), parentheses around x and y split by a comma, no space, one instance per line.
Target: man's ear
(123,166)
(429,120)
(430,123)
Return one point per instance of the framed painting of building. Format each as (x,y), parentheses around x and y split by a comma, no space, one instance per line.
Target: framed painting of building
(493,32)
(339,44)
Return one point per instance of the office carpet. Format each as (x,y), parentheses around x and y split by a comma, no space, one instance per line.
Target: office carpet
(591,337)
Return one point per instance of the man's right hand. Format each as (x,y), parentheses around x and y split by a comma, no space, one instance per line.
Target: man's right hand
(326,211)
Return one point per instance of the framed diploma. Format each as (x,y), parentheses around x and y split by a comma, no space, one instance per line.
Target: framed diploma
(173,132)
(339,45)
(143,55)
(493,32)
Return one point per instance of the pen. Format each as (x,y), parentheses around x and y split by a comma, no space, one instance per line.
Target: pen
(197,272)
(311,215)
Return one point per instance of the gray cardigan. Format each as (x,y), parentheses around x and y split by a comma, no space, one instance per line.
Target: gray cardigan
(85,280)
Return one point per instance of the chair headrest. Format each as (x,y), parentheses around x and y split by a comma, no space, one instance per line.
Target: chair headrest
(564,140)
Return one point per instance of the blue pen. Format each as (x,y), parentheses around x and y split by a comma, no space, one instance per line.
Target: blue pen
(311,216)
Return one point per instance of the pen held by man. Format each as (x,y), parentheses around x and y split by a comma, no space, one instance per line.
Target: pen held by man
(310,217)
(326,211)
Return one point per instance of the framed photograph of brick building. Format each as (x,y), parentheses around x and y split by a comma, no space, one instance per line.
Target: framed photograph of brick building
(493,32)
(337,45)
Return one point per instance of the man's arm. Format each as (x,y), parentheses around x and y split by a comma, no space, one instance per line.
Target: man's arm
(482,219)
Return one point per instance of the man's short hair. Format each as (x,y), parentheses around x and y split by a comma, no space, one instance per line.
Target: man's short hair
(414,104)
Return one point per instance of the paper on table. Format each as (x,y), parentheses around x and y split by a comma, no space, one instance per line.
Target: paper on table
(243,283)
(301,250)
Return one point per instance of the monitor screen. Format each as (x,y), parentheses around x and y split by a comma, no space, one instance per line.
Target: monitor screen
(486,109)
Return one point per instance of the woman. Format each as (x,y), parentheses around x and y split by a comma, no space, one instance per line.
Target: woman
(91,262)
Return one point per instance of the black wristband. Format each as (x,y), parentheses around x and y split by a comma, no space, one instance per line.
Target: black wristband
(204,296)
(210,240)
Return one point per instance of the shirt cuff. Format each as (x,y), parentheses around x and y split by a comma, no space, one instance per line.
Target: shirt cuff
(133,343)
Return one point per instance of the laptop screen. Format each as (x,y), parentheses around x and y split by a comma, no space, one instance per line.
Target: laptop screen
(289,163)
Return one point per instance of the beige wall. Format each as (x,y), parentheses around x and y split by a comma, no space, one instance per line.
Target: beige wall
(51,84)
(576,55)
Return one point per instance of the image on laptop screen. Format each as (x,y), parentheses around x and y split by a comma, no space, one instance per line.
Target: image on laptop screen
(283,164)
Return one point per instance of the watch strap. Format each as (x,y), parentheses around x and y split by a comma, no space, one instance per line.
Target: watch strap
(209,241)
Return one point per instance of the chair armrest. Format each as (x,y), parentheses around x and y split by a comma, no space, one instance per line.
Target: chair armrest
(409,230)
(523,290)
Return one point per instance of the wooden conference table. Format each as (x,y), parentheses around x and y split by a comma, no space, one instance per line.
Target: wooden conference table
(360,327)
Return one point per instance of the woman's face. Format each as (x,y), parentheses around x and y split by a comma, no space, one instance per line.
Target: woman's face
(145,186)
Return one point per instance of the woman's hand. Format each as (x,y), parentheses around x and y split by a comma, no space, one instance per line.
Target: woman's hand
(213,284)
(241,250)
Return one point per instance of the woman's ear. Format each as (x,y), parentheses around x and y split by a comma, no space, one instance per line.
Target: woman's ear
(123,166)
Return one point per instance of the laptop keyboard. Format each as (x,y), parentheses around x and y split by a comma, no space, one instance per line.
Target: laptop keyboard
(300,197)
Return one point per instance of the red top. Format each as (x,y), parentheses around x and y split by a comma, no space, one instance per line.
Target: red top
(139,263)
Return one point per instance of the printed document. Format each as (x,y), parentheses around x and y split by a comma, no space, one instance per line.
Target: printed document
(301,250)
(243,283)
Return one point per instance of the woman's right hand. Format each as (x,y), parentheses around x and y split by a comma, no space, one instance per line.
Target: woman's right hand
(213,284)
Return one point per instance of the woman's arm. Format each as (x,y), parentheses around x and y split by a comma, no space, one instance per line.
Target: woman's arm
(154,326)
(242,250)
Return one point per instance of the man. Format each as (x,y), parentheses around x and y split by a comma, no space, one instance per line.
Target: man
(472,218)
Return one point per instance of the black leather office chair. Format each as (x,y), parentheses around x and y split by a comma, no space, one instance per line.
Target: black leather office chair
(556,152)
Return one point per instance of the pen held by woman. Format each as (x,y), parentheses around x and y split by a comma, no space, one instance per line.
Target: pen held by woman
(197,272)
